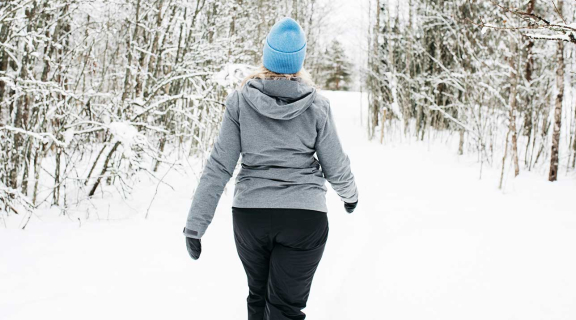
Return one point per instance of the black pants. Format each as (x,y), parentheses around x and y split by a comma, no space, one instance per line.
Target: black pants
(280,250)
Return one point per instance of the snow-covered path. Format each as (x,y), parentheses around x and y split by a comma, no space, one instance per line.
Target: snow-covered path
(428,240)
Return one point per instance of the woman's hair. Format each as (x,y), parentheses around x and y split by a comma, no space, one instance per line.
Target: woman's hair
(263,73)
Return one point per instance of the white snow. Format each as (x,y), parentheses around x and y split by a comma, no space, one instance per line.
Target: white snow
(233,73)
(128,135)
(428,240)
(123,132)
(68,136)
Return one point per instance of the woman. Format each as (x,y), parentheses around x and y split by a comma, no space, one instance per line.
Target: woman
(277,121)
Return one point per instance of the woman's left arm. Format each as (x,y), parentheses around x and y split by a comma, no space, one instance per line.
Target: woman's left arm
(217,172)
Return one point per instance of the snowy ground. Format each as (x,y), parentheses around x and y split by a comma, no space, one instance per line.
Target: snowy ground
(428,240)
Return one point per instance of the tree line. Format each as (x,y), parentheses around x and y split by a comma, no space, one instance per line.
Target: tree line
(94,91)
(493,73)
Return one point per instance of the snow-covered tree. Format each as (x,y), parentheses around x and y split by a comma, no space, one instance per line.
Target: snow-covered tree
(336,68)
(94,91)
(481,70)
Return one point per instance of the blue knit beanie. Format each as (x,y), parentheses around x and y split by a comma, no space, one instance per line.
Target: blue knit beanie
(285,47)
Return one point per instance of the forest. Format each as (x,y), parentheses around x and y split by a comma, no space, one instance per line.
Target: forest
(457,120)
(498,74)
(94,93)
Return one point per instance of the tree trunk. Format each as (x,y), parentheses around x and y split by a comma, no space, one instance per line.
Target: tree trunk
(382,126)
(574,141)
(529,107)
(128,76)
(104,169)
(38,156)
(554,155)
(56,190)
(95,163)
(461,142)
(504,160)
(512,103)
(4,58)
(408,98)
(375,106)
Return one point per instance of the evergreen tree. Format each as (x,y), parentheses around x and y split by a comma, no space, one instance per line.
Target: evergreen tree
(336,69)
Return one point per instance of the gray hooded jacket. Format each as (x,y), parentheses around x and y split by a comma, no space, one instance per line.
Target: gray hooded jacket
(277,125)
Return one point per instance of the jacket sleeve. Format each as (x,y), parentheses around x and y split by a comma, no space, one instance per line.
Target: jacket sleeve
(217,172)
(334,161)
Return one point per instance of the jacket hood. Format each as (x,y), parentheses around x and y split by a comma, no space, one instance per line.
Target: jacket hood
(280,99)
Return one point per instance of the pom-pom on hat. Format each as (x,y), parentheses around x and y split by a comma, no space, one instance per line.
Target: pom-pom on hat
(285,47)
